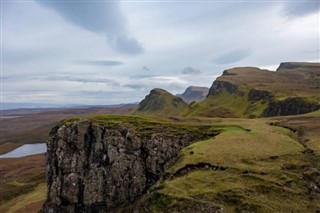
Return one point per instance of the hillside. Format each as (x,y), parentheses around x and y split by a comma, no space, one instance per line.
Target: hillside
(264,166)
(194,93)
(160,103)
(141,164)
(252,92)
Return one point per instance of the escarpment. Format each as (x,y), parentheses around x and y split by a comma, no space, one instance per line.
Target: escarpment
(252,92)
(95,167)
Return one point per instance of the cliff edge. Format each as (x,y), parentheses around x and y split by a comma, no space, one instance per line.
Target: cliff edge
(96,166)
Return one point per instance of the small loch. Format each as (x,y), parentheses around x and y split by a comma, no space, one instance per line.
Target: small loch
(26,150)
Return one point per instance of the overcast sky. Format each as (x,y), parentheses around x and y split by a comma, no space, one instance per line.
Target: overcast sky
(109,52)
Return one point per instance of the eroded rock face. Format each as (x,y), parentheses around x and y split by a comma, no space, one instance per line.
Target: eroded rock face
(290,106)
(219,86)
(259,95)
(95,168)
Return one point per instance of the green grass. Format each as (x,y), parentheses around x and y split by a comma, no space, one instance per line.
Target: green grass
(254,179)
(144,126)
(228,105)
(233,146)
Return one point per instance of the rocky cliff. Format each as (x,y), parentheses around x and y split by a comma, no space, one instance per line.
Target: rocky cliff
(94,167)
(290,106)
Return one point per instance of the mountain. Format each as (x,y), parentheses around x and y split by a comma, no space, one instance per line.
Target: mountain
(252,92)
(194,93)
(160,103)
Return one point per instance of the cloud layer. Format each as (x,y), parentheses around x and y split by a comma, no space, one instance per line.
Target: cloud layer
(109,52)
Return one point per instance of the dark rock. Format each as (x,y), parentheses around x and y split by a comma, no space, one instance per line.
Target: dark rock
(94,168)
(259,95)
(219,86)
(290,106)
(226,72)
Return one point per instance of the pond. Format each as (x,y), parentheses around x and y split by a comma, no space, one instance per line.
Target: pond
(26,150)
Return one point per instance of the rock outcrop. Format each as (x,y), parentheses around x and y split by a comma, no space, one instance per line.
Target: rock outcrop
(194,93)
(259,95)
(290,106)
(218,86)
(97,167)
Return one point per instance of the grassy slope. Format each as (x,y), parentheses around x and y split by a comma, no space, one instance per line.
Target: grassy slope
(23,184)
(265,170)
(228,105)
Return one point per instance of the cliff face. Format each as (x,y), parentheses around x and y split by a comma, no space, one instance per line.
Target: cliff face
(95,168)
(219,86)
(290,106)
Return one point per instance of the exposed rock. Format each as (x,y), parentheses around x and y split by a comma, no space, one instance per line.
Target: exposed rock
(219,86)
(200,166)
(95,168)
(259,95)
(290,106)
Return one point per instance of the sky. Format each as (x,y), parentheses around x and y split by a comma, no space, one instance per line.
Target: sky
(112,52)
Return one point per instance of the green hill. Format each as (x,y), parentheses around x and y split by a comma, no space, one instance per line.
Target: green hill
(268,165)
(160,103)
(252,92)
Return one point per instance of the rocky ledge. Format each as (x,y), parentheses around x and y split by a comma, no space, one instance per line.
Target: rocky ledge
(96,168)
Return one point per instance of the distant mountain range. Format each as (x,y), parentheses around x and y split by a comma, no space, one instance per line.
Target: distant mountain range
(247,92)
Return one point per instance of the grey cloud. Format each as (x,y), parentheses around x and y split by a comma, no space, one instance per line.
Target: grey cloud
(190,71)
(99,93)
(100,62)
(135,86)
(125,44)
(232,57)
(110,82)
(99,17)
(141,76)
(300,8)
